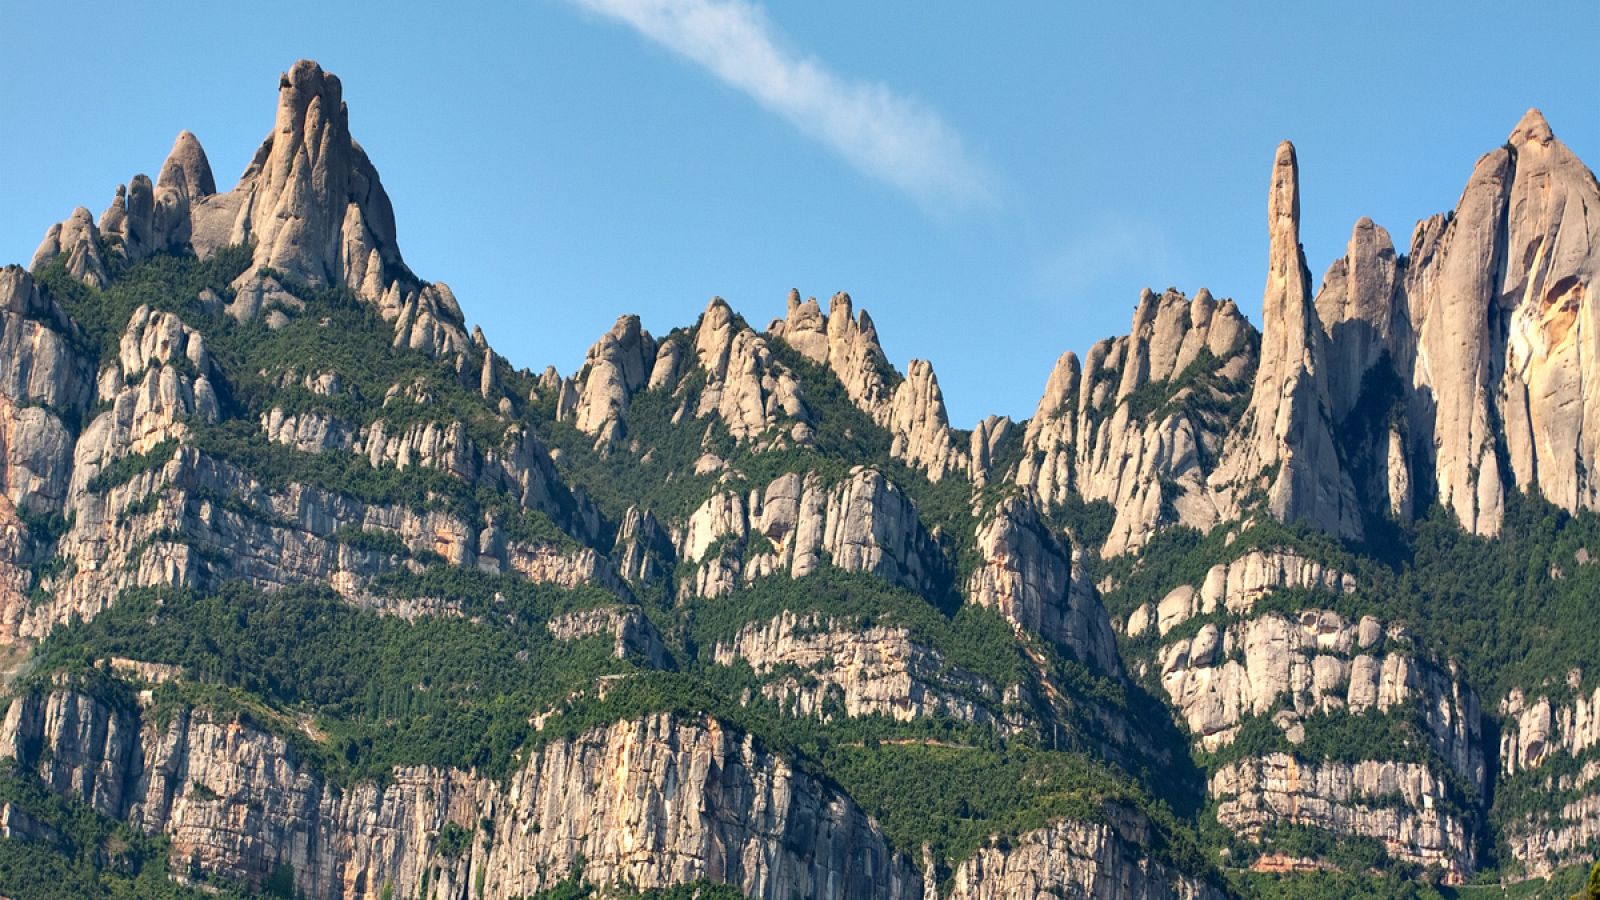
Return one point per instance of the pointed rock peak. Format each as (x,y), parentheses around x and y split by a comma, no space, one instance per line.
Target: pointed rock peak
(311,199)
(715,329)
(717,311)
(1062,387)
(304,84)
(187,168)
(839,305)
(870,331)
(79,240)
(1202,309)
(1283,204)
(1531,129)
(920,426)
(1368,239)
(82,220)
(626,327)
(117,212)
(804,314)
(1146,310)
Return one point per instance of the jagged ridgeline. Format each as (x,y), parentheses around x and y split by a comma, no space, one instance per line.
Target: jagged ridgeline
(305,591)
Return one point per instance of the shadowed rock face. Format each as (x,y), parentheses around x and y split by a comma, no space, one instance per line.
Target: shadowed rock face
(1284,446)
(1503,304)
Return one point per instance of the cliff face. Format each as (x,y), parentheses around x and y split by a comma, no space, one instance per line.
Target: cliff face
(1235,673)
(651,802)
(1030,577)
(831,667)
(1078,860)
(1404,806)
(1501,304)
(864,523)
(703,538)
(1547,750)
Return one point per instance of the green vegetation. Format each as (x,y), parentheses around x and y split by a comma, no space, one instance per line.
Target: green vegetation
(955,799)
(974,639)
(1591,888)
(354,693)
(169,283)
(1398,735)
(453,840)
(1199,391)
(576,887)
(124,468)
(336,332)
(441,690)
(616,480)
(80,853)
(1516,610)
(1330,886)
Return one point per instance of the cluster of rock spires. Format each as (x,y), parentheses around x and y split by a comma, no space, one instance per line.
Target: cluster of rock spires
(1482,329)
(1460,372)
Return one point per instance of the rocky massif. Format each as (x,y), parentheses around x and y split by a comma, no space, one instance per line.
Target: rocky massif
(302,576)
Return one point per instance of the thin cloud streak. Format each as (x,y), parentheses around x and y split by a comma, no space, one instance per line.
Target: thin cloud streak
(887,136)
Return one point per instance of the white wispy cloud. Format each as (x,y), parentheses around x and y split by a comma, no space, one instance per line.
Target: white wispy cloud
(884,134)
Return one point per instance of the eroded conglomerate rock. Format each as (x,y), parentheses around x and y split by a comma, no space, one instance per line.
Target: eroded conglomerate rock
(1076,859)
(1361,308)
(918,425)
(310,199)
(1140,424)
(78,240)
(911,408)
(862,524)
(1501,299)
(1027,575)
(1236,585)
(1461,370)
(310,203)
(633,637)
(182,519)
(617,367)
(844,343)
(1548,758)
(1283,450)
(1228,656)
(45,378)
(1314,664)
(652,802)
(1563,829)
(749,390)
(1535,729)
(1405,806)
(853,671)
(643,549)
(162,376)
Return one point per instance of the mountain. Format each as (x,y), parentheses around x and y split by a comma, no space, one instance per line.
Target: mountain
(307,591)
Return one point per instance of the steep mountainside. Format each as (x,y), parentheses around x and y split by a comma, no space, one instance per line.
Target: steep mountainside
(306,591)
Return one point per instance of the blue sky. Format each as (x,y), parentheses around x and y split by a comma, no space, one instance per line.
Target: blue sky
(994,182)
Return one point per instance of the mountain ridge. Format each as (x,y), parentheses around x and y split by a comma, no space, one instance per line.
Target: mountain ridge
(1171,574)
